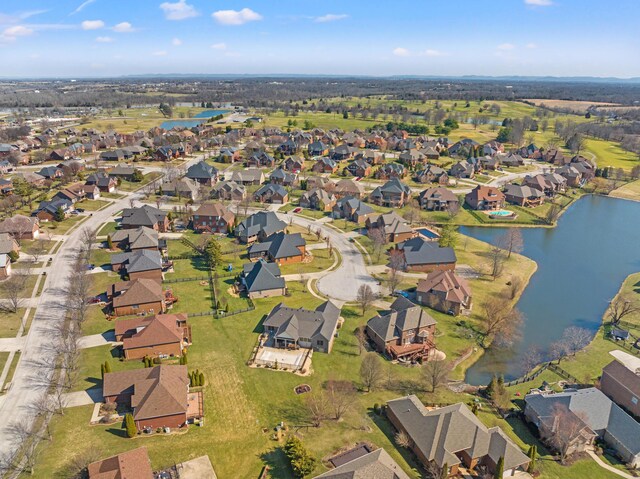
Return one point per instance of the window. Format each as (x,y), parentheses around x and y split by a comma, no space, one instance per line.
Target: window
(634,400)
(320,342)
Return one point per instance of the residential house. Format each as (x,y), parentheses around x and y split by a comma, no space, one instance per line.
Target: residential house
(389,171)
(294,164)
(352,209)
(229,190)
(325,165)
(393,194)
(511,160)
(51,172)
(303,328)
(289,147)
(6,186)
(271,193)
(342,152)
(140,296)
(320,182)
(5,266)
(432,174)
(8,244)
(318,148)
(485,198)
(282,177)
(280,248)
(454,437)
(229,155)
(589,414)
(406,332)
(104,182)
(489,162)
(540,183)
(159,396)
(21,227)
(181,188)
(113,155)
(426,256)
(203,173)
(394,226)
(213,218)
(359,168)
(259,226)
(318,199)
(412,158)
(620,381)
(251,176)
(558,182)
(571,174)
(162,335)
(262,280)
(260,160)
(523,195)
(462,169)
(444,291)
(347,187)
(124,172)
(430,153)
(142,263)
(32,178)
(439,199)
(145,215)
(377,464)
(134,464)
(49,210)
(137,239)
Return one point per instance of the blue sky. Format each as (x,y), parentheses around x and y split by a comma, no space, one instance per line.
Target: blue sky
(86,38)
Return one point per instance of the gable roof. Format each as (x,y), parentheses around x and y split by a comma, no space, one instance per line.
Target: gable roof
(377,464)
(139,260)
(440,433)
(624,375)
(145,215)
(132,464)
(202,171)
(419,251)
(262,276)
(304,323)
(265,221)
(455,288)
(216,210)
(151,330)
(403,315)
(138,291)
(279,245)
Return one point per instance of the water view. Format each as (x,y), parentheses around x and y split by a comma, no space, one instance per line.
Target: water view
(581,265)
(203,115)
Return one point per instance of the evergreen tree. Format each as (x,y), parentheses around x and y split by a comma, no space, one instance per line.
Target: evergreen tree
(130,425)
(444,474)
(102,371)
(201,379)
(107,367)
(213,253)
(533,452)
(59,216)
(499,469)
(109,242)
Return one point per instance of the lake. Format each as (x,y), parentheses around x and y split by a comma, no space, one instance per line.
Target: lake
(204,115)
(582,263)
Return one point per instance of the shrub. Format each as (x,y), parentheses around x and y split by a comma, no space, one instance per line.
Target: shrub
(130,425)
(13,256)
(302,462)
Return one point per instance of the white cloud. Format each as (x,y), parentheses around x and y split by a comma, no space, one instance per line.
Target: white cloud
(429,52)
(10,34)
(401,52)
(236,17)
(180,10)
(104,39)
(539,3)
(82,6)
(219,46)
(506,46)
(123,27)
(92,24)
(531,45)
(331,17)
(176,42)
(159,53)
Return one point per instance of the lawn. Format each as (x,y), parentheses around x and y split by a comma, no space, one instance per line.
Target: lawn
(107,228)
(28,246)
(10,323)
(62,227)
(12,369)
(132,186)
(92,205)
(321,260)
(630,191)
(101,256)
(610,154)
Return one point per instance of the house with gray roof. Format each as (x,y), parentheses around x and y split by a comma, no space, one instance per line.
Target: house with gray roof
(405,332)
(139,238)
(426,256)
(352,209)
(393,194)
(523,195)
(453,436)
(394,226)
(137,264)
(262,280)
(181,188)
(229,190)
(145,215)
(599,415)
(203,173)
(304,328)
(318,199)
(250,176)
(258,226)
(280,248)
(376,464)
(281,177)
(271,193)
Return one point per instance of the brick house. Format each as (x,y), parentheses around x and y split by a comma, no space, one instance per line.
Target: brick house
(444,291)
(153,336)
(135,297)
(213,218)
(485,198)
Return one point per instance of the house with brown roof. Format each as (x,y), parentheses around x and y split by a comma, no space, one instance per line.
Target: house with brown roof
(134,464)
(318,199)
(394,226)
(439,199)
(229,190)
(139,238)
(158,396)
(347,187)
(523,195)
(213,218)
(406,332)
(145,215)
(325,165)
(135,297)
(162,335)
(444,291)
(21,227)
(485,198)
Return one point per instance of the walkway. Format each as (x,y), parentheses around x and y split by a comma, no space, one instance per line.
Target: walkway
(609,468)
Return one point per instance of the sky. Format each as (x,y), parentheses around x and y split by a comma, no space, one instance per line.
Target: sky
(108,38)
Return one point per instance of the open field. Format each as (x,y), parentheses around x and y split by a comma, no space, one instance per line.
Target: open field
(134,119)
(630,191)
(573,105)
(610,154)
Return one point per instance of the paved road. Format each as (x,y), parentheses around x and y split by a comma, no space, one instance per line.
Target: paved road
(341,284)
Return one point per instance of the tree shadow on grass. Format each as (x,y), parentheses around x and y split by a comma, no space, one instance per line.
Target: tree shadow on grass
(279,466)
(117,432)
(293,412)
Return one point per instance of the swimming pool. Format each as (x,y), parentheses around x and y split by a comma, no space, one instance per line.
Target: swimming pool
(501,213)
(428,233)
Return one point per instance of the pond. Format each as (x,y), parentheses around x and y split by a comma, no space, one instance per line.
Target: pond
(582,263)
(203,115)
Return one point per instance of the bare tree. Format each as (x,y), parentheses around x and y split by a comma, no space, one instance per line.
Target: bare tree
(13,291)
(371,372)
(365,297)
(575,339)
(435,374)
(378,240)
(361,336)
(26,440)
(621,307)
(565,427)
(497,258)
(316,408)
(38,249)
(514,287)
(557,351)
(552,213)
(530,359)
(340,396)
(500,321)
(396,265)
(511,241)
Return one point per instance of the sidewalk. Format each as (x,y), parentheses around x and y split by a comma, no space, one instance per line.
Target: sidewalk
(606,466)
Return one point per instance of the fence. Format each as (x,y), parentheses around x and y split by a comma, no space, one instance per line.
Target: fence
(561,372)
(183,280)
(528,378)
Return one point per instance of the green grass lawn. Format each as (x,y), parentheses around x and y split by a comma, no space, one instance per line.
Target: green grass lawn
(12,368)
(101,256)
(10,323)
(107,228)
(28,246)
(630,191)
(132,186)
(60,228)
(92,205)
(610,154)
(321,260)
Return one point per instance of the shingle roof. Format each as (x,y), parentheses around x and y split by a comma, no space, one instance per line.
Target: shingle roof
(402,316)
(265,221)
(132,464)
(455,288)
(140,260)
(138,291)
(279,245)
(202,171)
(304,323)
(142,216)
(419,251)
(262,276)
(377,464)
(152,330)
